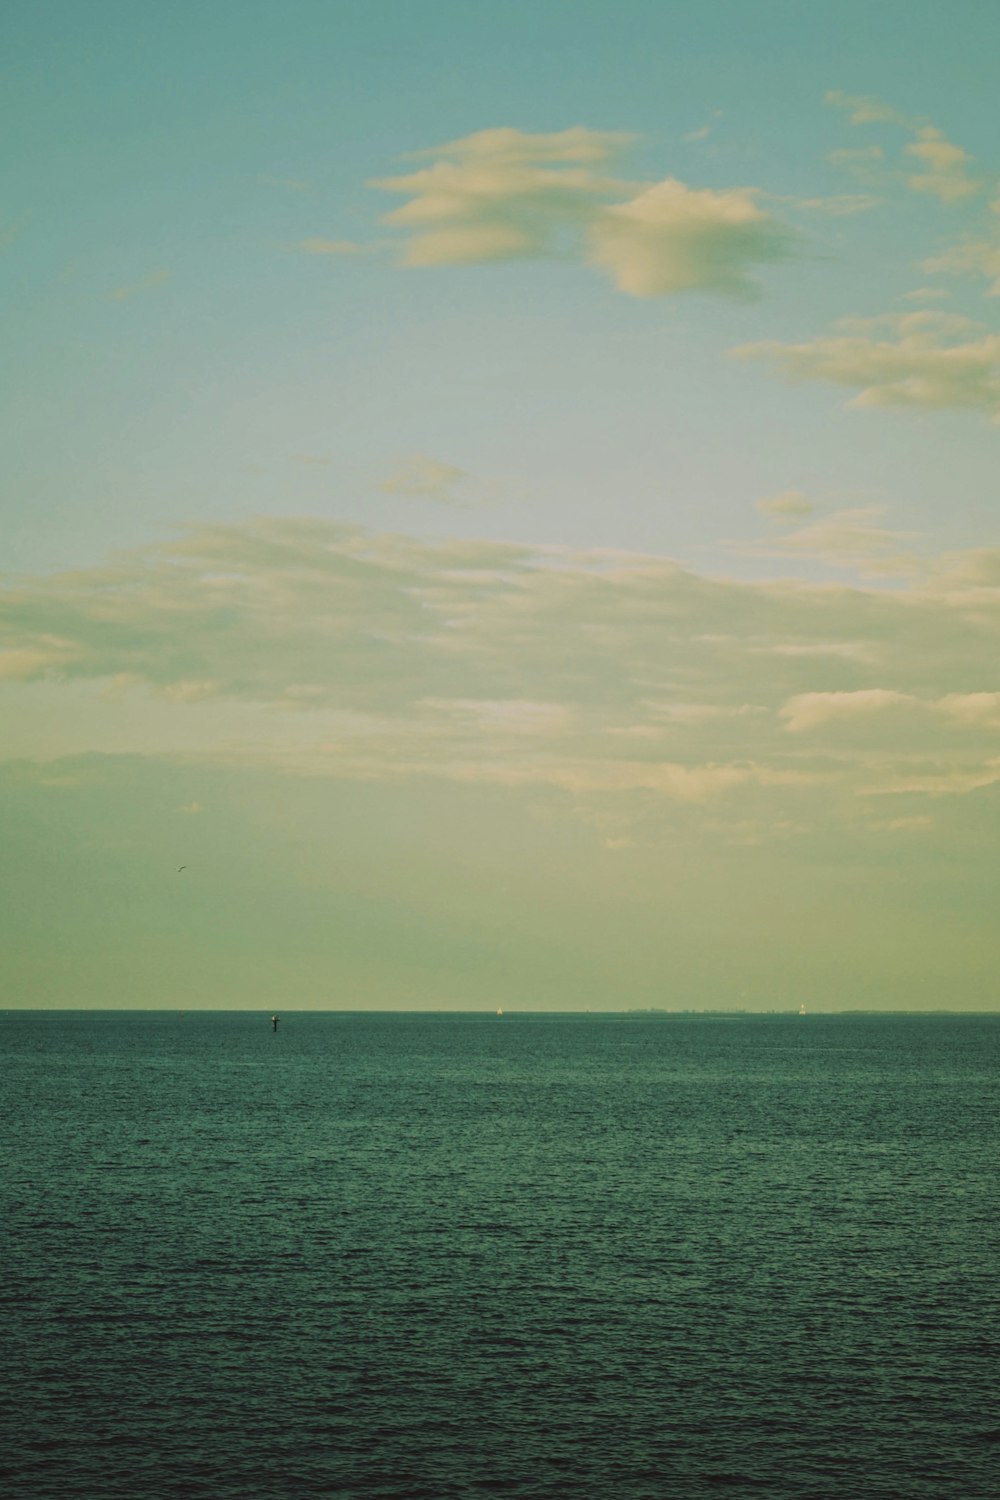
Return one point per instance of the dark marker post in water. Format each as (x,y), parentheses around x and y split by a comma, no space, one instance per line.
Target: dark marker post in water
(274,1023)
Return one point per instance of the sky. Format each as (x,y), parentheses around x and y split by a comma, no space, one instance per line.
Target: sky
(500,505)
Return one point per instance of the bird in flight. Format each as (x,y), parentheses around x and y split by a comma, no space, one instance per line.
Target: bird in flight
(180,868)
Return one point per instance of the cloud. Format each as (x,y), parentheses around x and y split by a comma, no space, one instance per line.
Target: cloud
(148,283)
(810,711)
(331,247)
(577,146)
(289,184)
(846,538)
(865,109)
(974,256)
(702,133)
(324,650)
(787,506)
(972,708)
(945,167)
(430,479)
(11,231)
(857,158)
(672,238)
(840,205)
(979,257)
(47,654)
(504,194)
(920,360)
(506,716)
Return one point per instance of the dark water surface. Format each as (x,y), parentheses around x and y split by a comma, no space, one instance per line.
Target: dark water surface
(564,1256)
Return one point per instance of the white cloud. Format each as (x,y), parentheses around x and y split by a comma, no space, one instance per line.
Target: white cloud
(857,158)
(330,650)
(289,184)
(516,716)
(505,194)
(429,478)
(148,283)
(501,194)
(840,205)
(944,167)
(702,132)
(865,109)
(809,711)
(976,256)
(317,246)
(672,238)
(845,538)
(980,257)
(47,654)
(921,360)
(973,709)
(576,146)
(12,230)
(789,505)
(955,711)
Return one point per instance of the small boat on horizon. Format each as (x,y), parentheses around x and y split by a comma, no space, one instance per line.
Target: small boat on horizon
(499,1010)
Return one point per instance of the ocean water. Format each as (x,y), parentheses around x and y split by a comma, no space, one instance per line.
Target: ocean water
(539,1256)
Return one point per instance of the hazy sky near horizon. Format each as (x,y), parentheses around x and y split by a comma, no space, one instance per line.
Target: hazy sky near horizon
(504,495)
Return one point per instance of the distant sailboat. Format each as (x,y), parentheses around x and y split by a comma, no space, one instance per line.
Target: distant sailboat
(500,1010)
(802,1010)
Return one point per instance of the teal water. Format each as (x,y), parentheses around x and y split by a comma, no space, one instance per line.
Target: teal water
(545,1256)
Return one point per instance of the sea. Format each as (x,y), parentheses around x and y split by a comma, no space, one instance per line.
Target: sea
(423,1256)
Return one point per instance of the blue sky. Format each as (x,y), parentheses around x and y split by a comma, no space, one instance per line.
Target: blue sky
(577,418)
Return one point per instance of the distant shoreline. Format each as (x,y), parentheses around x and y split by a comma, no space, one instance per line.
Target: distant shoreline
(485,1013)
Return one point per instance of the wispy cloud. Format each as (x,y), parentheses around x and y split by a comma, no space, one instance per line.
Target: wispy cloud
(840,205)
(976,255)
(502,194)
(702,132)
(786,507)
(317,246)
(862,161)
(148,283)
(866,109)
(920,360)
(853,539)
(926,294)
(811,711)
(427,478)
(944,167)
(598,675)
(289,184)
(12,230)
